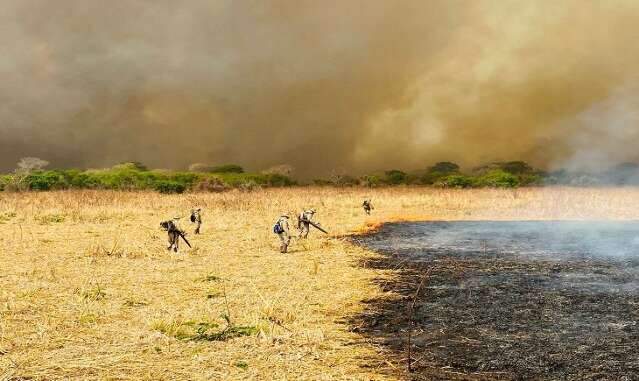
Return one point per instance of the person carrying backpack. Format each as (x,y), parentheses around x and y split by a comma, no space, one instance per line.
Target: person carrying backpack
(196,218)
(281,228)
(367,206)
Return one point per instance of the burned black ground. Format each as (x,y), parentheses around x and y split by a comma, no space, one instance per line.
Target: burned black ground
(510,300)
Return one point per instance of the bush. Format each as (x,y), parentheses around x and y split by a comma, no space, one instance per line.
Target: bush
(129,176)
(85,180)
(249,186)
(205,168)
(4,181)
(516,167)
(497,179)
(167,187)
(236,180)
(395,177)
(371,181)
(444,167)
(346,181)
(456,181)
(227,168)
(278,180)
(131,165)
(45,180)
(530,179)
(282,169)
(210,184)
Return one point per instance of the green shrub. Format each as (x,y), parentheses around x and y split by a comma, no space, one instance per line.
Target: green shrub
(205,168)
(279,180)
(516,167)
(497,178)
(346,181)
(167,187)
(227,168)
(130,176)
(530,179)
(4,181)
(444,167)
(371,181)
(395,177)
(437,173)
(46,180)
(132,165)
(85,180)
(237,180)
(186,178)
(430,178)
(456,181)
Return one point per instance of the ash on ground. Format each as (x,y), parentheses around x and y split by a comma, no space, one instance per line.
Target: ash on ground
(510,300)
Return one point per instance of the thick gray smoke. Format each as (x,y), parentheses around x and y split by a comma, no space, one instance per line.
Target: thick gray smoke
(354,85)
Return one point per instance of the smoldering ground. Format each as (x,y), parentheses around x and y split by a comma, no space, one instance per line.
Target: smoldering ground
(509,300)
(353,85)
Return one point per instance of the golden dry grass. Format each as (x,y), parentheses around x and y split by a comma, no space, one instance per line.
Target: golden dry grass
(88,290)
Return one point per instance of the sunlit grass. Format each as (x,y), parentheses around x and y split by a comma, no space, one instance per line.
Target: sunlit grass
(89,291)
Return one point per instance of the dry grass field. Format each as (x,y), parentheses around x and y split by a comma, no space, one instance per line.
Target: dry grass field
(89,291)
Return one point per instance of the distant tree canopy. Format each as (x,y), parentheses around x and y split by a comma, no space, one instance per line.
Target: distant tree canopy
(282,169)
(445,167)
(516,167)
(439,171)
(512,167)
(395,176)
(29,164)
(31,174)
(138,166)
(131,165)
(206,168)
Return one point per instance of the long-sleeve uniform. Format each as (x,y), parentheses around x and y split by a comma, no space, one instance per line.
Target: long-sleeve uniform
(367,206)
(303,222)
(196,218)
(285,235)
(174,232)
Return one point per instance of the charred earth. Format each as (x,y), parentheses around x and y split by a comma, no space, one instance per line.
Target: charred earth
(510,300)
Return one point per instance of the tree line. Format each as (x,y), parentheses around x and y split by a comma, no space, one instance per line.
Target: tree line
(31,175)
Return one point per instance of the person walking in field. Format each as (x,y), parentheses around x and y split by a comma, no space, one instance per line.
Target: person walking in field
(282,229)
(196,218)
(367,207)
(172,227)
(304,222)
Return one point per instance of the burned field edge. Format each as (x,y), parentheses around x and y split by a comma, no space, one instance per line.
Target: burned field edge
(486,316)
(386,320)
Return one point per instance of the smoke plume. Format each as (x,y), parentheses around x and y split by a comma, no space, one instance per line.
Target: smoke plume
(353,85)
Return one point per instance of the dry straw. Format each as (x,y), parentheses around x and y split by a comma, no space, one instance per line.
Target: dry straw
(88,290)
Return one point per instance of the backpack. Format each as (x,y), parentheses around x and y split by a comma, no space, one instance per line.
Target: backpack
(277,228)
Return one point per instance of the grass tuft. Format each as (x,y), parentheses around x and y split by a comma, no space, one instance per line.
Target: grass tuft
(50,219)
(201,330)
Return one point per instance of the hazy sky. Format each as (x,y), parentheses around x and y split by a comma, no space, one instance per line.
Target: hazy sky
(322,85)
